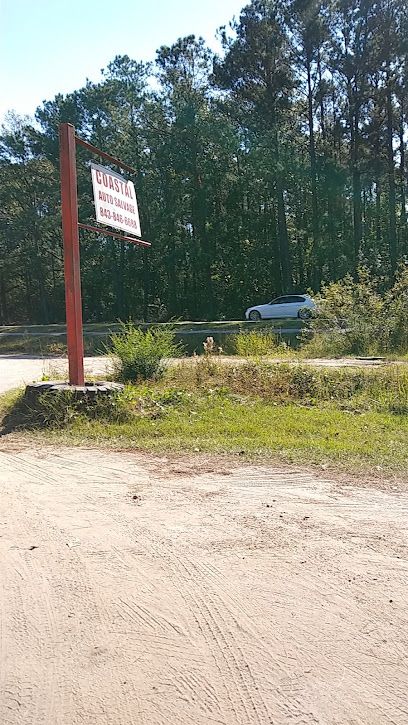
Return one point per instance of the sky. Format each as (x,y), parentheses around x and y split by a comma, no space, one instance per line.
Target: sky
(53,46)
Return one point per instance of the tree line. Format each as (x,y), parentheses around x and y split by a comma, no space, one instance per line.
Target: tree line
(276,166)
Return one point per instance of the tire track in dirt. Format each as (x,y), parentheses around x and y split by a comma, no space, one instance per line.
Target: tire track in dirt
(43,607)
(27,610)
(159,634)
(206,607)
(154,617)
(205,694)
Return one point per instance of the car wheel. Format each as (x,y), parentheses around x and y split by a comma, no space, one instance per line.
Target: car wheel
(254,315)
(304,313)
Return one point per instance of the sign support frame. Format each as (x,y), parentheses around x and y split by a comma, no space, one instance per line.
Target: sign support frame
(70,232)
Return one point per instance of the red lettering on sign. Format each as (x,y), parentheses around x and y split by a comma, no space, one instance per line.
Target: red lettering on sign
(116,185)
(98,176)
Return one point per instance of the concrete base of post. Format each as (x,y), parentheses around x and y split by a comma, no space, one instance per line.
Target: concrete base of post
(90,392)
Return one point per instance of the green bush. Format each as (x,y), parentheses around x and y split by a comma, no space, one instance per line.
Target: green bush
(138,355)
(350,319)
(396,311)
(355,318)
(258,344)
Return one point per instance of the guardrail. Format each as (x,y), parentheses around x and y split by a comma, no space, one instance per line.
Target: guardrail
(97,333)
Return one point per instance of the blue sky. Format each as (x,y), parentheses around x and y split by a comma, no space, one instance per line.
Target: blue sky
(51,46)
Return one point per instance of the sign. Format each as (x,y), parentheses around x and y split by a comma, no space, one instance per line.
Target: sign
(115,200)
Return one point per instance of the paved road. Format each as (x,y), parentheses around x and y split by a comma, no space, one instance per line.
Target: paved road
(19,370)
(144,592)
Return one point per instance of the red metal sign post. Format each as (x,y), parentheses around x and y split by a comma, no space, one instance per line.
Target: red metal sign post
(69,208)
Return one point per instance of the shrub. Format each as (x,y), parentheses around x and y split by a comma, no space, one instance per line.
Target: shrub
(258,344)
(141,355)
(396,310)
(355,319)
(351,319)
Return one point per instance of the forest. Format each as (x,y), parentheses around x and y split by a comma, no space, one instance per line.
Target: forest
(276,166)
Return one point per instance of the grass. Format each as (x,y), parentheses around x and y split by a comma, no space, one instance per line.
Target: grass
(8,401)
(332,345)
(258,344)
(218,424)
(46,346)
(354,419)
(357,390)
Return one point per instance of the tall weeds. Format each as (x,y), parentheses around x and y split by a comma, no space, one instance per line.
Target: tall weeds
(142,355)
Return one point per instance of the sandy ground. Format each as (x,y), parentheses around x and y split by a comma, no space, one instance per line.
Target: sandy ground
(19,370)
(138,590)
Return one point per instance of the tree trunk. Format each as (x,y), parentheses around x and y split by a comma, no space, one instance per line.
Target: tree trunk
(313,178)
(392,227)
(377,182)
(282,229)
(30,310)
(403,216)
(356,179)
(321,101)
(203,247)
(146,286)
(171,271)
(3,302)
(283,240)
(121,282)
(331,234)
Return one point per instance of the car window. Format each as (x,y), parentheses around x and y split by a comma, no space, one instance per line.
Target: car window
(288,300)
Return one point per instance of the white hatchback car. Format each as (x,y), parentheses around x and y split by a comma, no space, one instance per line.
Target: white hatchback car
(301,306)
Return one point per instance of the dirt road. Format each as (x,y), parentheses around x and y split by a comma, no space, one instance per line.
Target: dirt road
(140,591)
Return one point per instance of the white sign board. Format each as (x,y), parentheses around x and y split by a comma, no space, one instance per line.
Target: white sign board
(115,200)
